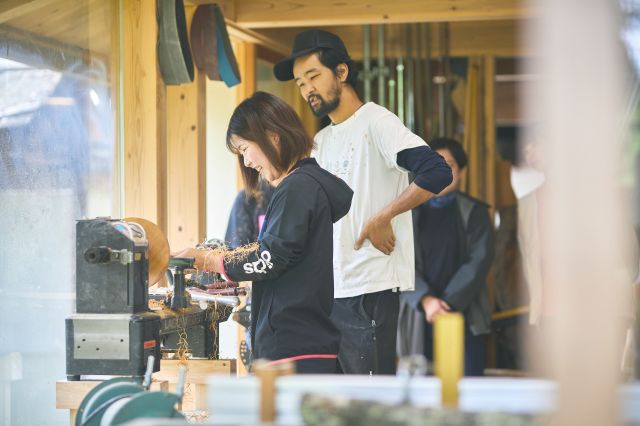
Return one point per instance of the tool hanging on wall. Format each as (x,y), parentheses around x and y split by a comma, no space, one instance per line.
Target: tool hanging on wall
(174,55)
(211,45)
(227,64)
(203,36)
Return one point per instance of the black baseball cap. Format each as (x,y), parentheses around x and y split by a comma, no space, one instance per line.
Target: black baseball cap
(307,42)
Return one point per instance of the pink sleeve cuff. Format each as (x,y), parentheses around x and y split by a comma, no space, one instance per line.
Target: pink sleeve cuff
(221,269)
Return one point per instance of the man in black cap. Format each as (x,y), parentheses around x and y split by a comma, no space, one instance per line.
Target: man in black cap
(369,148)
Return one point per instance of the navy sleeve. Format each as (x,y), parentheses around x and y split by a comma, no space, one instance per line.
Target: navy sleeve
(284,238)
(431,171)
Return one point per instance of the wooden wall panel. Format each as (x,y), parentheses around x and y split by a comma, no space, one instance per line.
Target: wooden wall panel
(186,160)
(144,144)
(246,56)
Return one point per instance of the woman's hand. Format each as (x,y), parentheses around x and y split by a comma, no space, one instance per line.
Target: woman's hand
(205,260)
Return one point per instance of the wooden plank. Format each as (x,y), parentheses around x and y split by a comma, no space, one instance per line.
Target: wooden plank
(472,182)
(12,9)
(198,370)
(263,13)
(228,6)
(490,166)
(497,38)
(246,57)
(69,394)
(520,310)
(143,143)
(200,397)
(186,160)
(489,132)
(68,22)
(250,36)
(116,80)
(240,336)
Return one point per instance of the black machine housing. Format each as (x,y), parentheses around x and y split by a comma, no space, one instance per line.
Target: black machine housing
(113,332)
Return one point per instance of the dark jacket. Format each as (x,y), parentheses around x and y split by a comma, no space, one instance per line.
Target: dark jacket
(292,270)
(466,291)
(244,219)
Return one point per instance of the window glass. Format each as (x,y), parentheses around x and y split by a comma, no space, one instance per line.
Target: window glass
(57,162)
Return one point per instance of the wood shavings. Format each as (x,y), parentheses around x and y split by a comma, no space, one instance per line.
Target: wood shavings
(234,256)
(156,305)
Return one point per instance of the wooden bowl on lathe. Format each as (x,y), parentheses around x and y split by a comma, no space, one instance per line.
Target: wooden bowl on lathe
(159,253)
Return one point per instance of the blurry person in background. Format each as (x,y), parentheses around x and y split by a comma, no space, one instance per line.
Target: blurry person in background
(527,180)
(454,250)
(247,215)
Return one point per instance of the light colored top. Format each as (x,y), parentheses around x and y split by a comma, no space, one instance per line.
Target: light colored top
(525,180)
(362,151)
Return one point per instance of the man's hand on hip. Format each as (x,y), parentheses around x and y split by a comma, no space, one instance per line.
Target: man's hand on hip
(378,230)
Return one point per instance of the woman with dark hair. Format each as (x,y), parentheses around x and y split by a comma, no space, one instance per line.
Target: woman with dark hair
(291,265)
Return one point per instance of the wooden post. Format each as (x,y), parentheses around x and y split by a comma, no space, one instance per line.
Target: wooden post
(490,133)
(583,210)
(268,374)
(144,113)
(490,172)
(198,371)
(472,183)
(449,355)
(246,56)
(186,160)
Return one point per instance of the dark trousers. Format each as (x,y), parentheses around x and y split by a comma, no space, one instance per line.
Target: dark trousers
(474,350)
(368,325)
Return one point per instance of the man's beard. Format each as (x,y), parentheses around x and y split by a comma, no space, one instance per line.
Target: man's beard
(325,107)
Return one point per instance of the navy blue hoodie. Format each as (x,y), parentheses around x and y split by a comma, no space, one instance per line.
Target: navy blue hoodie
(292,270)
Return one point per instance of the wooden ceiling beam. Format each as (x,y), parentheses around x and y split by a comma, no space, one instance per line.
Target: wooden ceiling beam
(307,13)
(251,36)
(496,38)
